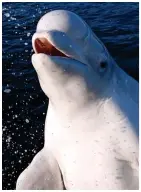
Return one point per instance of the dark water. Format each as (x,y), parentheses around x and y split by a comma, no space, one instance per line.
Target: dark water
(24,103)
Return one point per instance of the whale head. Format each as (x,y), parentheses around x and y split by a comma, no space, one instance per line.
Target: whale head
(72,64)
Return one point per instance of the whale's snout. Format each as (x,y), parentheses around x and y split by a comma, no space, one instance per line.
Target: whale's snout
(42,45)
(61,33)
(56,43)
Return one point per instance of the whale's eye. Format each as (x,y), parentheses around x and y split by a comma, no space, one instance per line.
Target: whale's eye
(103,64)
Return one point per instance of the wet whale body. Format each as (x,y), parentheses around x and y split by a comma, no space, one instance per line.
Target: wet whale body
(92,123)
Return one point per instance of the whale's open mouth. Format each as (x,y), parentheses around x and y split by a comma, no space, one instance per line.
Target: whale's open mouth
(42,45)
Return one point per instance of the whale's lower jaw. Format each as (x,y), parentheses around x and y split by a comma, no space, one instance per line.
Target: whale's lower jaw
(42,45)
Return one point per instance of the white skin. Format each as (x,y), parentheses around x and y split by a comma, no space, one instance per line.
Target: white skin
(91,129)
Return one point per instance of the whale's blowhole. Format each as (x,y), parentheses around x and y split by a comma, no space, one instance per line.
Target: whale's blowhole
(42,45)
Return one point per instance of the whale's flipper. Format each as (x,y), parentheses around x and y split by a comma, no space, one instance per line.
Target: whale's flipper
(43,173)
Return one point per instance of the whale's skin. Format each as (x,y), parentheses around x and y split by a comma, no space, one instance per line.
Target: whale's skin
(92,122)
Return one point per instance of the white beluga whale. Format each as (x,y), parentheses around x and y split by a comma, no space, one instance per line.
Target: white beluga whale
(92,122)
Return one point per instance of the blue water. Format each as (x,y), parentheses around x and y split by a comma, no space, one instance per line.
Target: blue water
(24,103)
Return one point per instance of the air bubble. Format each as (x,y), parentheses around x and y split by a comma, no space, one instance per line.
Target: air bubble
(7,14)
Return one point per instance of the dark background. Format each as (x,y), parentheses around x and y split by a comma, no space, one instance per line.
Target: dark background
(24,103)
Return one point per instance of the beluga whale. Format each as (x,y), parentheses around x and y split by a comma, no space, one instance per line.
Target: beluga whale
(92,124)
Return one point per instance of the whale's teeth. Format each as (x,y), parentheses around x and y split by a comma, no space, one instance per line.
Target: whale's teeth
(42,45)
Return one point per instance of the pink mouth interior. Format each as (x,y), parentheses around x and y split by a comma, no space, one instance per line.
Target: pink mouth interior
(42,45)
